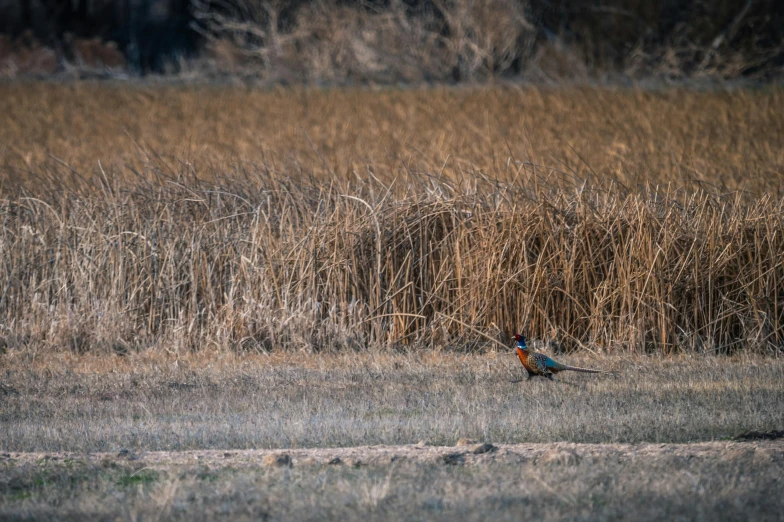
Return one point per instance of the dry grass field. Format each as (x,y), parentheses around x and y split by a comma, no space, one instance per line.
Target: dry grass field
(191,439)
(720,140)
(303,401)
(218,270)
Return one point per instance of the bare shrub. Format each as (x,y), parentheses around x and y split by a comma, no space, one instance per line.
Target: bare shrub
(327,41)
(95,53)
(26,57)
(334,43)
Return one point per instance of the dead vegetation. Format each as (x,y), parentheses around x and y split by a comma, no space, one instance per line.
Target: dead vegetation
(153,402)
(192,269)
(358,219)
(414,41)
(286,435)
(328,42)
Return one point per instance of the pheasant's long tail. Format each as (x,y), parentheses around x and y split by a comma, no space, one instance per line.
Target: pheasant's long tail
(584,370)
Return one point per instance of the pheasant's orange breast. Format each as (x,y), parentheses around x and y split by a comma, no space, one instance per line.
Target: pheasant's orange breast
(523,356)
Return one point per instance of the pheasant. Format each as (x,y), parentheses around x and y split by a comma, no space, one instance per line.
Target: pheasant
(541,365)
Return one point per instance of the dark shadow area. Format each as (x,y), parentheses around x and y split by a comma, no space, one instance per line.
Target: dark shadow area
(386,41)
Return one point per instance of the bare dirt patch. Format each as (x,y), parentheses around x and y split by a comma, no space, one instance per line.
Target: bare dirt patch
(558,453)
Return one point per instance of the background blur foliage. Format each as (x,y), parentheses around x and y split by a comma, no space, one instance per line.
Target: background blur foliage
(390,41)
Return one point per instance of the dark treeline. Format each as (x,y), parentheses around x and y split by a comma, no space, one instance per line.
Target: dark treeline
(148,32)
(605,34)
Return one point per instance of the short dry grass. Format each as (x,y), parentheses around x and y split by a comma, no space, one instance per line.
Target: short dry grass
(173,432)
(348,400)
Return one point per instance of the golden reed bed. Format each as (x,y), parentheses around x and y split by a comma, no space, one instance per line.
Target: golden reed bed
(179,218)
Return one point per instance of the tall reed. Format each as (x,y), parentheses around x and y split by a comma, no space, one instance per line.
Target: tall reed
(189,218)
(273,262)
